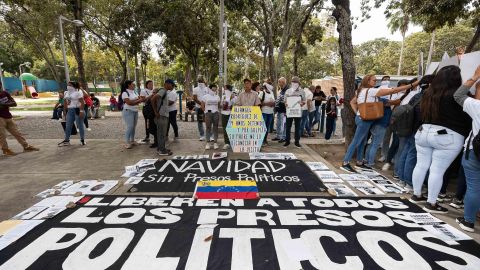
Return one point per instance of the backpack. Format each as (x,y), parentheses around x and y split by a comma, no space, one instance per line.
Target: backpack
(148,111)
(402,119)
(120,100)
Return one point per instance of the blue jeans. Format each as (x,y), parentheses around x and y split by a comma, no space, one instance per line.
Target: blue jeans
(200,115)
(361,133)
(268,119)
(378,133)
(71,117)
(472,198)
(130,117)
(316,117)
(401,144)
(322,118)
(304,122)
(407,160)
(281,126)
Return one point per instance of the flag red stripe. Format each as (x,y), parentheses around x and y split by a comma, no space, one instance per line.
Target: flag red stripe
(226,195)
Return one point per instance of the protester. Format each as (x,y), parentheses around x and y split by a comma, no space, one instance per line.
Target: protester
(210,105)
(198,93)
(73,111)
(440,138)
(268,83)
(256,87)
(318,97)
(280,110)
(228,99)
(172,113)
(471,157)
(365,93)
(293,91)
(131,100)
(248,97)
(267,100)
(160,106)
(145,93)
(331,111)
(305,112)
(149,113)
(88,104)
(7,124)
(113,103)
(190,105)
(334,93)
(95,106)
(58,108)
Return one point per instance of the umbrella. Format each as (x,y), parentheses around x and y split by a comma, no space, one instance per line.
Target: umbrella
(28,77)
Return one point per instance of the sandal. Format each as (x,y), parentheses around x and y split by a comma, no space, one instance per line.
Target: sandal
(128,146)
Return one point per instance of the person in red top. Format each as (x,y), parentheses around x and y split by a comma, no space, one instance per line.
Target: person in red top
(7,124)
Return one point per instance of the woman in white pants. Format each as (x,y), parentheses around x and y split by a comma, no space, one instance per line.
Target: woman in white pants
(440,138)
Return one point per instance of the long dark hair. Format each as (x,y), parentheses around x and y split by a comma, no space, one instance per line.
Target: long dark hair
(125,86)
(329,104)
(445,83)
(147,82)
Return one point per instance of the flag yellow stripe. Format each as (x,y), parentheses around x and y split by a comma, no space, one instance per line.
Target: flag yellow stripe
(228,183)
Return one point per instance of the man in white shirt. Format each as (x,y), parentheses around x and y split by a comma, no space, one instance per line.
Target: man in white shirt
(228,99)
(306,109)
(172,112)
(145,93)
(267,100)
(198,93)
(295,90)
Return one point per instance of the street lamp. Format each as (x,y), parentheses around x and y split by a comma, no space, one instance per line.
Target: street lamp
(76,23)
(27,64)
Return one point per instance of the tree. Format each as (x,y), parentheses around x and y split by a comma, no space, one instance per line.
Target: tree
(309,31)
(366,56)
(342,15)
(75,7)
(399,20)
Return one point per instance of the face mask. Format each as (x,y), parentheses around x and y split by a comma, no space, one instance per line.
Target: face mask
(385,83)
(201,85)
(71,88)
(295,85)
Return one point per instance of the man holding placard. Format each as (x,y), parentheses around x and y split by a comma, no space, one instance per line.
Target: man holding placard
(294,100)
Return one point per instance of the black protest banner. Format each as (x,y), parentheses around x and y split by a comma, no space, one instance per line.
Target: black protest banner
(113,232)
(270,175)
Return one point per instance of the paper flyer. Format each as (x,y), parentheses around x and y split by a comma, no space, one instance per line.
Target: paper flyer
(366,188)
(447,232)
(90,187)
(354,177)
(131,171)
(317,166)
(425,219)
(145,165)
(55,190)
(388,186)
(18,231)
(219,155)
(340,190)
(261,155)
(47,207)
(328,177)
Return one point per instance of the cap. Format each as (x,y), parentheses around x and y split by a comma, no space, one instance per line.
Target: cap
(170,81)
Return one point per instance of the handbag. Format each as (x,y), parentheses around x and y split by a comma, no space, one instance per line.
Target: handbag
(370,110)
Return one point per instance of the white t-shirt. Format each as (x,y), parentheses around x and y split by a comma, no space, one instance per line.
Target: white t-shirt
(211,102)
(146,92)
(269,97)
(472,107)
(74,96)
(308,96)
(132,96)
(200,91)
(372,92)
(227,98)
(409,96)
(172,96)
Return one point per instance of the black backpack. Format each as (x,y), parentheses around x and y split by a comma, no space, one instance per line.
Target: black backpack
(475,142)
(148,111)
(402,119)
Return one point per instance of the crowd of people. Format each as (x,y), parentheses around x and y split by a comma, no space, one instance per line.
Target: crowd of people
(429,129)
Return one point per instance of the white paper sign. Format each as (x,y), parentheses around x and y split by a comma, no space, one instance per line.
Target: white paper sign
(328,177)
(366,187)
(354,177)
(317,166)
(90,187)
(262,155)
(340,190)
(468,64)
(294,109)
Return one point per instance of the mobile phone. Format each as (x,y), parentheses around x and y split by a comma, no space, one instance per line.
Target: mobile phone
(442,132)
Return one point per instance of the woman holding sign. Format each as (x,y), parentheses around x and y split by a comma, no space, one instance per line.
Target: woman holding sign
(210,105)
(367,108)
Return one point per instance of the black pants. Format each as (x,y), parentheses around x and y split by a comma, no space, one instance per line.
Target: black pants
(172,120)
(289,128)
(152,129)
(330,122)
(225,119)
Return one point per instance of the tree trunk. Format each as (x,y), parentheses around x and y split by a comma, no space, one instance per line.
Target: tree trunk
(430,51)
(344,28)
(137,75)
(264,63)
(474,40)
(298,43)
(401,55)
(78,15)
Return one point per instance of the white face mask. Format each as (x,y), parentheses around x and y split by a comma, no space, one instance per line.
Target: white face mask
(295,85)
(71,88)
(386,83)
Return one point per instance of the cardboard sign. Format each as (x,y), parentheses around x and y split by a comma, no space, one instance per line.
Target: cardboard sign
(468,64)
(246,129)
(114,232)
(294,109)
(270,175)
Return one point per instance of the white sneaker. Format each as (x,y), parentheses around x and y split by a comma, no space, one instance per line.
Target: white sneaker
(226,147)
(215,146)
(382,159)
(89,129)
(207,146)
(211,139)
(408,188)
(202,138)
(386,167)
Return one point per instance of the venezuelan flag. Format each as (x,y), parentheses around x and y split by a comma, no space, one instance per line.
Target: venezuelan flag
(226,189)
